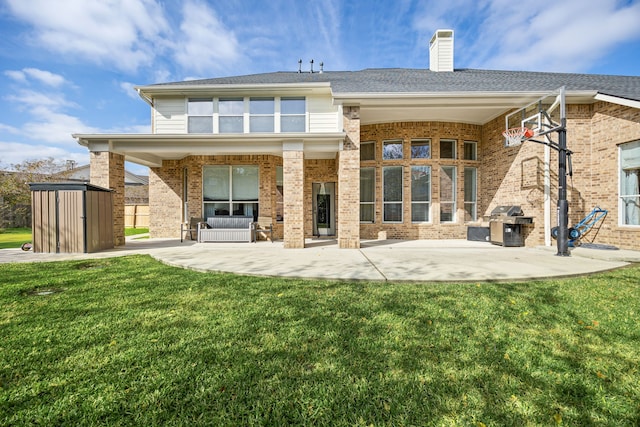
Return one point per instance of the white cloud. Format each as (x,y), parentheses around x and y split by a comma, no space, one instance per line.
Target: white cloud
(124,33)
(46,77)
(567,36)
(17,152)
(128,89)
(27,99)
(204,44)
(18,76)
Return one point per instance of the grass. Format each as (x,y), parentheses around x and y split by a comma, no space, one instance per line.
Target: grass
(134,231)
(14,237)
(130,341)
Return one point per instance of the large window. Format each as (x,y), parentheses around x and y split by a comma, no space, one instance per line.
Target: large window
(230,190)
(420,193)
(200,115)
(421,149)
(261,111)
(447,148)
(630,183)
(392,194)
(367,194)
(292,115)
(231,113)
(447,194)
(470,194)
(392,150)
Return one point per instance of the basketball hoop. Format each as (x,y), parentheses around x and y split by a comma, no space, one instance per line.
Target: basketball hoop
(515,136)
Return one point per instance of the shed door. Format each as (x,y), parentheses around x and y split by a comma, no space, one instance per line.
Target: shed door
(70,222)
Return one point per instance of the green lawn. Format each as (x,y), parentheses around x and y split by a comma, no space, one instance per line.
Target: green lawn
(130,341)
(14,237)
(134,231)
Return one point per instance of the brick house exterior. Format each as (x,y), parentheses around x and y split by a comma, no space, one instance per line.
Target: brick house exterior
(401,153)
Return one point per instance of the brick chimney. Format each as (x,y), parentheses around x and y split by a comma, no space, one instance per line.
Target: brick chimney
(441,51)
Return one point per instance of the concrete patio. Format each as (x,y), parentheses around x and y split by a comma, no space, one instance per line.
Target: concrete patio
(381,260)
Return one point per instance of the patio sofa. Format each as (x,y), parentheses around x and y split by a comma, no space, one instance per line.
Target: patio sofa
(227,229)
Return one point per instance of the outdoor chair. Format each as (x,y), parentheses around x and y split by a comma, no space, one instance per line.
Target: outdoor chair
(264,225)
(190,227)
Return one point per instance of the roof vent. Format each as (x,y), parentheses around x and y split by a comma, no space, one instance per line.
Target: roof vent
(441,51)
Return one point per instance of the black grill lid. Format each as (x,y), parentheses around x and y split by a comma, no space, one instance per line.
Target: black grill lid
(507,210)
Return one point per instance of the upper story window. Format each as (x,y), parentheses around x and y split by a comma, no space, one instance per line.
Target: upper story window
(368,150)
(231,115)
(292,115)
(200,111)
(421,149)
(470,150)
(447,148)
(392,150)
(261,111)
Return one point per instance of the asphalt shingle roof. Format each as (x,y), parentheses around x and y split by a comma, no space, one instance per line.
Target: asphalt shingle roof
(404,80)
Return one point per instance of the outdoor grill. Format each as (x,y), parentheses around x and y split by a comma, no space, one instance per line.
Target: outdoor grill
(505,225)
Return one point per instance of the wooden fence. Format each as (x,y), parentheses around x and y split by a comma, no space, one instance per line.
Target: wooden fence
(136,216)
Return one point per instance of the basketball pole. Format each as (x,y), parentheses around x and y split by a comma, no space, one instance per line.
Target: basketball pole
(563,204)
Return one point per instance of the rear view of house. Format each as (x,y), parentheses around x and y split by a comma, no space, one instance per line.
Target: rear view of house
(401,153)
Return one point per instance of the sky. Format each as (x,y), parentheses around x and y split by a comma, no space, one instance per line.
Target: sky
(70,66)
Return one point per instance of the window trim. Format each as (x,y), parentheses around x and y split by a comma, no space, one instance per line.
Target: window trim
(211,116)
(454,145)
(231,201)
(303,115)
(422,202)
(423,141)
(373,202)
(393,202)
(394,142)
(454,194)
(474,202)
(621,196)
(220,115)
(475,150)
(262,115)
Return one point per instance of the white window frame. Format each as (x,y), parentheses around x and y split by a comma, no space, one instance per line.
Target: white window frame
(221,116)
(393,142)
(372,203)
(302,115)
(393,202)
(471,204)
(623,165)
(253,115)
(454,191)
(414,169)
(368,143)
(454,145)
(473,144)
(421,141)
(231,201)
(210,116)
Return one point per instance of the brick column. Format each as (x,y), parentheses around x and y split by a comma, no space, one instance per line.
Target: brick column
(293,180)
(349,182)
(107,170)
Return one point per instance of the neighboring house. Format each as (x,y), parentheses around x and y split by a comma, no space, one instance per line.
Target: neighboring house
(401,153)
(136,187)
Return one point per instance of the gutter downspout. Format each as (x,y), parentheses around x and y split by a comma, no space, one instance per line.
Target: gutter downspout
(144,97)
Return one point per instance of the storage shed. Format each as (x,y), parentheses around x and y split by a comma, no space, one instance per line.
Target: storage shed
(71,217)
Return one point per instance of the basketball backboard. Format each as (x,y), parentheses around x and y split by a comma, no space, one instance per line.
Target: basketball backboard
(541,117)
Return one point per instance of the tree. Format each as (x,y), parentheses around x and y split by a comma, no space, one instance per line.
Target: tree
(15,196)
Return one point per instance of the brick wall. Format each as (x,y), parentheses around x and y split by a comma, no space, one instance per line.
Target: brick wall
(435,131)
(107,171)
(349,182)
